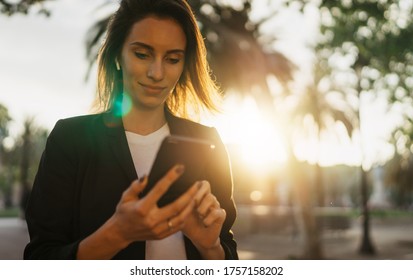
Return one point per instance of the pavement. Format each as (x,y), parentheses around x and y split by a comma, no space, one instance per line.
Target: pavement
(13,238)
(392,239)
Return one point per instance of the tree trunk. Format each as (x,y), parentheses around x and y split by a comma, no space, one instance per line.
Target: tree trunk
(24,165)
(305,199)
(366,246)
(319,185)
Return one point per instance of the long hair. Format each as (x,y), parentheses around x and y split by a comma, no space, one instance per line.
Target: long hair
(195,90)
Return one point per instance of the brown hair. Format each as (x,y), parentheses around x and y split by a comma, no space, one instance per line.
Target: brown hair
(195,89)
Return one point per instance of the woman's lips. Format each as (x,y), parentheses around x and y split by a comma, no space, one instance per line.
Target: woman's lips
(152,89)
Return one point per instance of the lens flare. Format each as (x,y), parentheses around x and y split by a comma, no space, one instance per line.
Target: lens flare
(123,105)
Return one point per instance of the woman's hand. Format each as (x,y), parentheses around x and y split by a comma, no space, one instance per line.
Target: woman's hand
(140,218)
(205,221)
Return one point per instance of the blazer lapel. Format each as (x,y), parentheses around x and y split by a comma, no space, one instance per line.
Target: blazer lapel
(118,144)
(175,124)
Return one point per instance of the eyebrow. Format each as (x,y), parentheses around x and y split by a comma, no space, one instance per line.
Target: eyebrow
(150,48)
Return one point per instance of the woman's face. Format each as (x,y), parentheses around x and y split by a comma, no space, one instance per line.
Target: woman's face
(152,61)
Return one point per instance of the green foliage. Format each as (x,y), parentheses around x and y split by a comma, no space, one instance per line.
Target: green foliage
(22,7)
(4,120)
(383,213)
(379,37)
(399,179)
(10,213)
(19,163)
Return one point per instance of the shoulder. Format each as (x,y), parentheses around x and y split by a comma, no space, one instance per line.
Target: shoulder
(190,128)
(75,129)
(76,125)
(76,122)
(189,124)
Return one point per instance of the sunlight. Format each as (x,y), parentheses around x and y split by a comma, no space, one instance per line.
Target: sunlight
(257,140)
(261,144)
(335,147)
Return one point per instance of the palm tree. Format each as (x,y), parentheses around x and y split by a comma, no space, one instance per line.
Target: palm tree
(325,106)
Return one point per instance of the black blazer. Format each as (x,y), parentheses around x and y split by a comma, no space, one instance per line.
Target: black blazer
(84,169)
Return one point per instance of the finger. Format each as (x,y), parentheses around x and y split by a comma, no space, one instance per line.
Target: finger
(215,216)
(135,188)
(204,189)
(163,184)
(168,231)
(179,205)
(177,222)
(177,212)
(208,202)
(164,229)
(184,204)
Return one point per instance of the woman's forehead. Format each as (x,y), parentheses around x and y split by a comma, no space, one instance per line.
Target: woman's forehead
(162,33)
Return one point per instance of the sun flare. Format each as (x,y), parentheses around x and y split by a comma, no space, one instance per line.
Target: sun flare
(257,140)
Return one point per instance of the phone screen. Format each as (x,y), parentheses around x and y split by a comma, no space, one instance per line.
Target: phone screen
(193,153)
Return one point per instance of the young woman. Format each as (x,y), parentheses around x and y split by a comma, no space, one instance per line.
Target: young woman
(85,201)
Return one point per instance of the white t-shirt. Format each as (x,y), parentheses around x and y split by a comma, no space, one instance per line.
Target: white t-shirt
(143,149)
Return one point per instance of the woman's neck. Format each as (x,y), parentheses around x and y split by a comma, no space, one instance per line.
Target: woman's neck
(144,122)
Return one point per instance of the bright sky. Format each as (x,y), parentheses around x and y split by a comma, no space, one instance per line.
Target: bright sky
(43,63)
(43,66)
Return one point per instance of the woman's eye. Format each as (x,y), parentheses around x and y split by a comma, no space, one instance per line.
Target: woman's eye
(173,60)
(141,55)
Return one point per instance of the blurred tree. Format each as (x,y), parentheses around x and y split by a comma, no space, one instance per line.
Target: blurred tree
(13,162)
(399,170)
(315,111)
(399,176)
(5,186)
(318,110)
(4,121)
(22,159)
(374,39)
(10,8)
(26,149)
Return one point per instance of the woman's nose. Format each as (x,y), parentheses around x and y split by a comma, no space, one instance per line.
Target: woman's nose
(156,71)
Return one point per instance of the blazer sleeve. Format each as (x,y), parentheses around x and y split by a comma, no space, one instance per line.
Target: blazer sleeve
(220,178)
(50,210)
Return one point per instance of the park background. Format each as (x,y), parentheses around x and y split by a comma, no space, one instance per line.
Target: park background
(317,116)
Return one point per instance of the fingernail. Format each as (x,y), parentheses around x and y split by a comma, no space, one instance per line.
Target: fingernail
(180,169)
(141,179)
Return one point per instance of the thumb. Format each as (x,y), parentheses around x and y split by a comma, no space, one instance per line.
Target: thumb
(135,188)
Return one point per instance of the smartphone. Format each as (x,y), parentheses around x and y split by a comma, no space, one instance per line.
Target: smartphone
(193,153)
